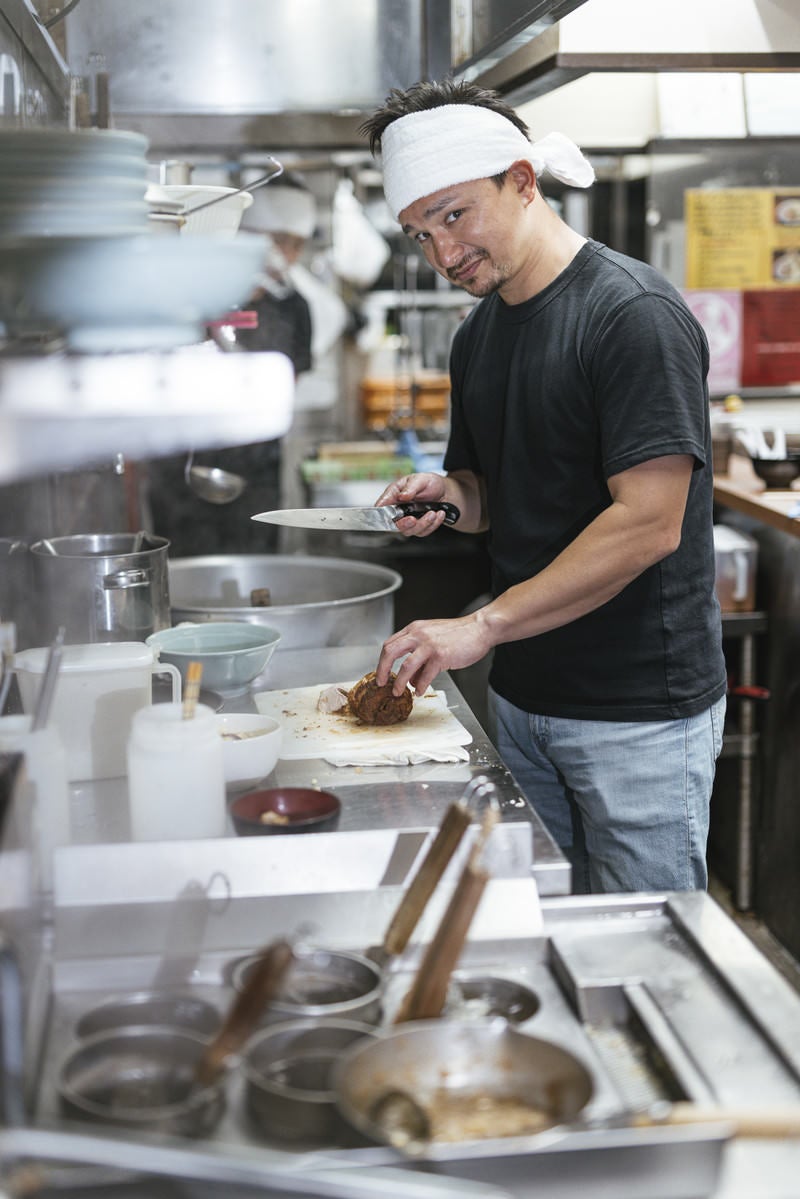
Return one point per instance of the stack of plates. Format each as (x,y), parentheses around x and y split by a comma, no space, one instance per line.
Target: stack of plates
(77,256)
(62,183)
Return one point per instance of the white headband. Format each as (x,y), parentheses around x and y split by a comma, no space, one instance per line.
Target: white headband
(455,143)
(277,209)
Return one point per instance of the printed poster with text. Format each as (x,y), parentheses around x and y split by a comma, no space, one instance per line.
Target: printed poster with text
(770,337)
(742,237)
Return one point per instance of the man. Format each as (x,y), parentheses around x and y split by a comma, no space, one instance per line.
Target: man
(580,438)
(284,213)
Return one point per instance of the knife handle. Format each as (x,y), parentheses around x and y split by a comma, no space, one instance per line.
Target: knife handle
(420,507)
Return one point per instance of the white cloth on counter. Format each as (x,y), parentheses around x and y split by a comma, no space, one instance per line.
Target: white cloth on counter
(399,757)
(425,151)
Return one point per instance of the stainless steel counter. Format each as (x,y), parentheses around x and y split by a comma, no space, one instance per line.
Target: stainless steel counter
(660,996)
(401,802)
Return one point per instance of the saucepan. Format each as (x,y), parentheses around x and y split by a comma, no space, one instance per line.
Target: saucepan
(287,1070)
(142,1077)
(167,1079)
(324,984)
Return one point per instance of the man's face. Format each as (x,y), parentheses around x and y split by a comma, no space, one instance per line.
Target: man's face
(470,233)
(290,245)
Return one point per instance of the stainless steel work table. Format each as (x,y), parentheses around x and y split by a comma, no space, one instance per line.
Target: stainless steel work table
(658,995)
(394,800)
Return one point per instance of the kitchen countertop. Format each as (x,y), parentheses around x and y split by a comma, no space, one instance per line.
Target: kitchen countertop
(384,799)
(742,490)
(716,1008)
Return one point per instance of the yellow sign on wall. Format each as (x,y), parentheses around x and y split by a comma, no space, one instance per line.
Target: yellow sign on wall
(742,237)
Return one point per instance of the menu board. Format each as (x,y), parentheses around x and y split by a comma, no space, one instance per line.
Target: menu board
(742,237)
(770,337)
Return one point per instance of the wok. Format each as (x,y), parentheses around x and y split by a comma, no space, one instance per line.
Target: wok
(433,1061)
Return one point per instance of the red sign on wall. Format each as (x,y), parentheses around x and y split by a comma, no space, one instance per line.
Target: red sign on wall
(770,337)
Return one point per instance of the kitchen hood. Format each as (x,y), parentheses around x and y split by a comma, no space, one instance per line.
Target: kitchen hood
(219,75)
(627,35)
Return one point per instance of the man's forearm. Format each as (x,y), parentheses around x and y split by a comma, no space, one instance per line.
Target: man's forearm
(467,491)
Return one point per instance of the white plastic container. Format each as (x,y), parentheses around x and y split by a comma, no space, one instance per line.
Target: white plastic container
(45,786)
(176,777)
(735,560)
(223,217)
(99,688)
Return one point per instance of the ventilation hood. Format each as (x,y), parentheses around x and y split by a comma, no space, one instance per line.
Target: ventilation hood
(629,35)
(225,74)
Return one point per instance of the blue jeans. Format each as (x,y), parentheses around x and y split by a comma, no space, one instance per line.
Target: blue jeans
(626,801)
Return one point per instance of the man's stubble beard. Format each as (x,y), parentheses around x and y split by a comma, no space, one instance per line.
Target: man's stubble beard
(480,288)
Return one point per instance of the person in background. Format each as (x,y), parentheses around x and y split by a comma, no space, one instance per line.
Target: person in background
(580,439)
(284,214)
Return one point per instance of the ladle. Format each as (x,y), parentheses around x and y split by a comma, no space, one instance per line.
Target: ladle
(211,483)
(402,1121)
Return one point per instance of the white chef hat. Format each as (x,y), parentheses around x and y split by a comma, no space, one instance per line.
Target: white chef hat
(425,151)
(281,209)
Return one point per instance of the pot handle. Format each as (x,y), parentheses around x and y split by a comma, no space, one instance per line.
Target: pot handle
(123,580)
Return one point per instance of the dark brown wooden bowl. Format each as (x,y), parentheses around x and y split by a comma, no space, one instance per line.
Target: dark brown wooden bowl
(777,472)
(298,810)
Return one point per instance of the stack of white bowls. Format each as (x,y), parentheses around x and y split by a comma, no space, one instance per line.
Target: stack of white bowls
(78,258)
(81,183)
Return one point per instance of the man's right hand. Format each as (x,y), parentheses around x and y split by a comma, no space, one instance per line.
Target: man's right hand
(421,486)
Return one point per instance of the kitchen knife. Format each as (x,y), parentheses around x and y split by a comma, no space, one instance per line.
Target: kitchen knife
(373,519)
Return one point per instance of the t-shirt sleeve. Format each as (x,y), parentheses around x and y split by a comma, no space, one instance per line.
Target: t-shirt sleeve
(648,368)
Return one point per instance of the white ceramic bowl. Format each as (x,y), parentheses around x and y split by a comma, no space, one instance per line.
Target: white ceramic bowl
(126,293)
(232,653)
(251,746)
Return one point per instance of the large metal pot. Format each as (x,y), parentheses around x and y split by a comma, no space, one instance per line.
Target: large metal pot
(315,602)
(15,587)
(100,586)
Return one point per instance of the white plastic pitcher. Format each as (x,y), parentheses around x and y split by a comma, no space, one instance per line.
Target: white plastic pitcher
(99,688)
(45,786)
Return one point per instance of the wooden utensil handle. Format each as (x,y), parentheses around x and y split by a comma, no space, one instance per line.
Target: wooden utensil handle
(260,985)
(448,837)
(428,992)
(779,1122)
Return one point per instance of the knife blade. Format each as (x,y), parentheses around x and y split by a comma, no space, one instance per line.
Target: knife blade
(372,519)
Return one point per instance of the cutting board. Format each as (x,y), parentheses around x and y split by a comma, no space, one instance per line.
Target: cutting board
(308,733)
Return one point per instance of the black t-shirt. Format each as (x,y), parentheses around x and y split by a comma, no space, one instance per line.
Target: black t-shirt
(604,369)
(284,324)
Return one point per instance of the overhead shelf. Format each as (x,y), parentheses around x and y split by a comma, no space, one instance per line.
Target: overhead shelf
(61,411)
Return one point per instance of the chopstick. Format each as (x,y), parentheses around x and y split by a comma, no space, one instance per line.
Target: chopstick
(194,675)
(44,699)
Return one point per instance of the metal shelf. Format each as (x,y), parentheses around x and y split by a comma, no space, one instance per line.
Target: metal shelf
(741,741)
(62,411)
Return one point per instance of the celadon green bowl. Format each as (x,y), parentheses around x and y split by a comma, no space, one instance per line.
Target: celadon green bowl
(232,653)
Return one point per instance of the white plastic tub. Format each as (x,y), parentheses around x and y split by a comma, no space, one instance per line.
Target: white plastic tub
(179,199)
(735,559)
